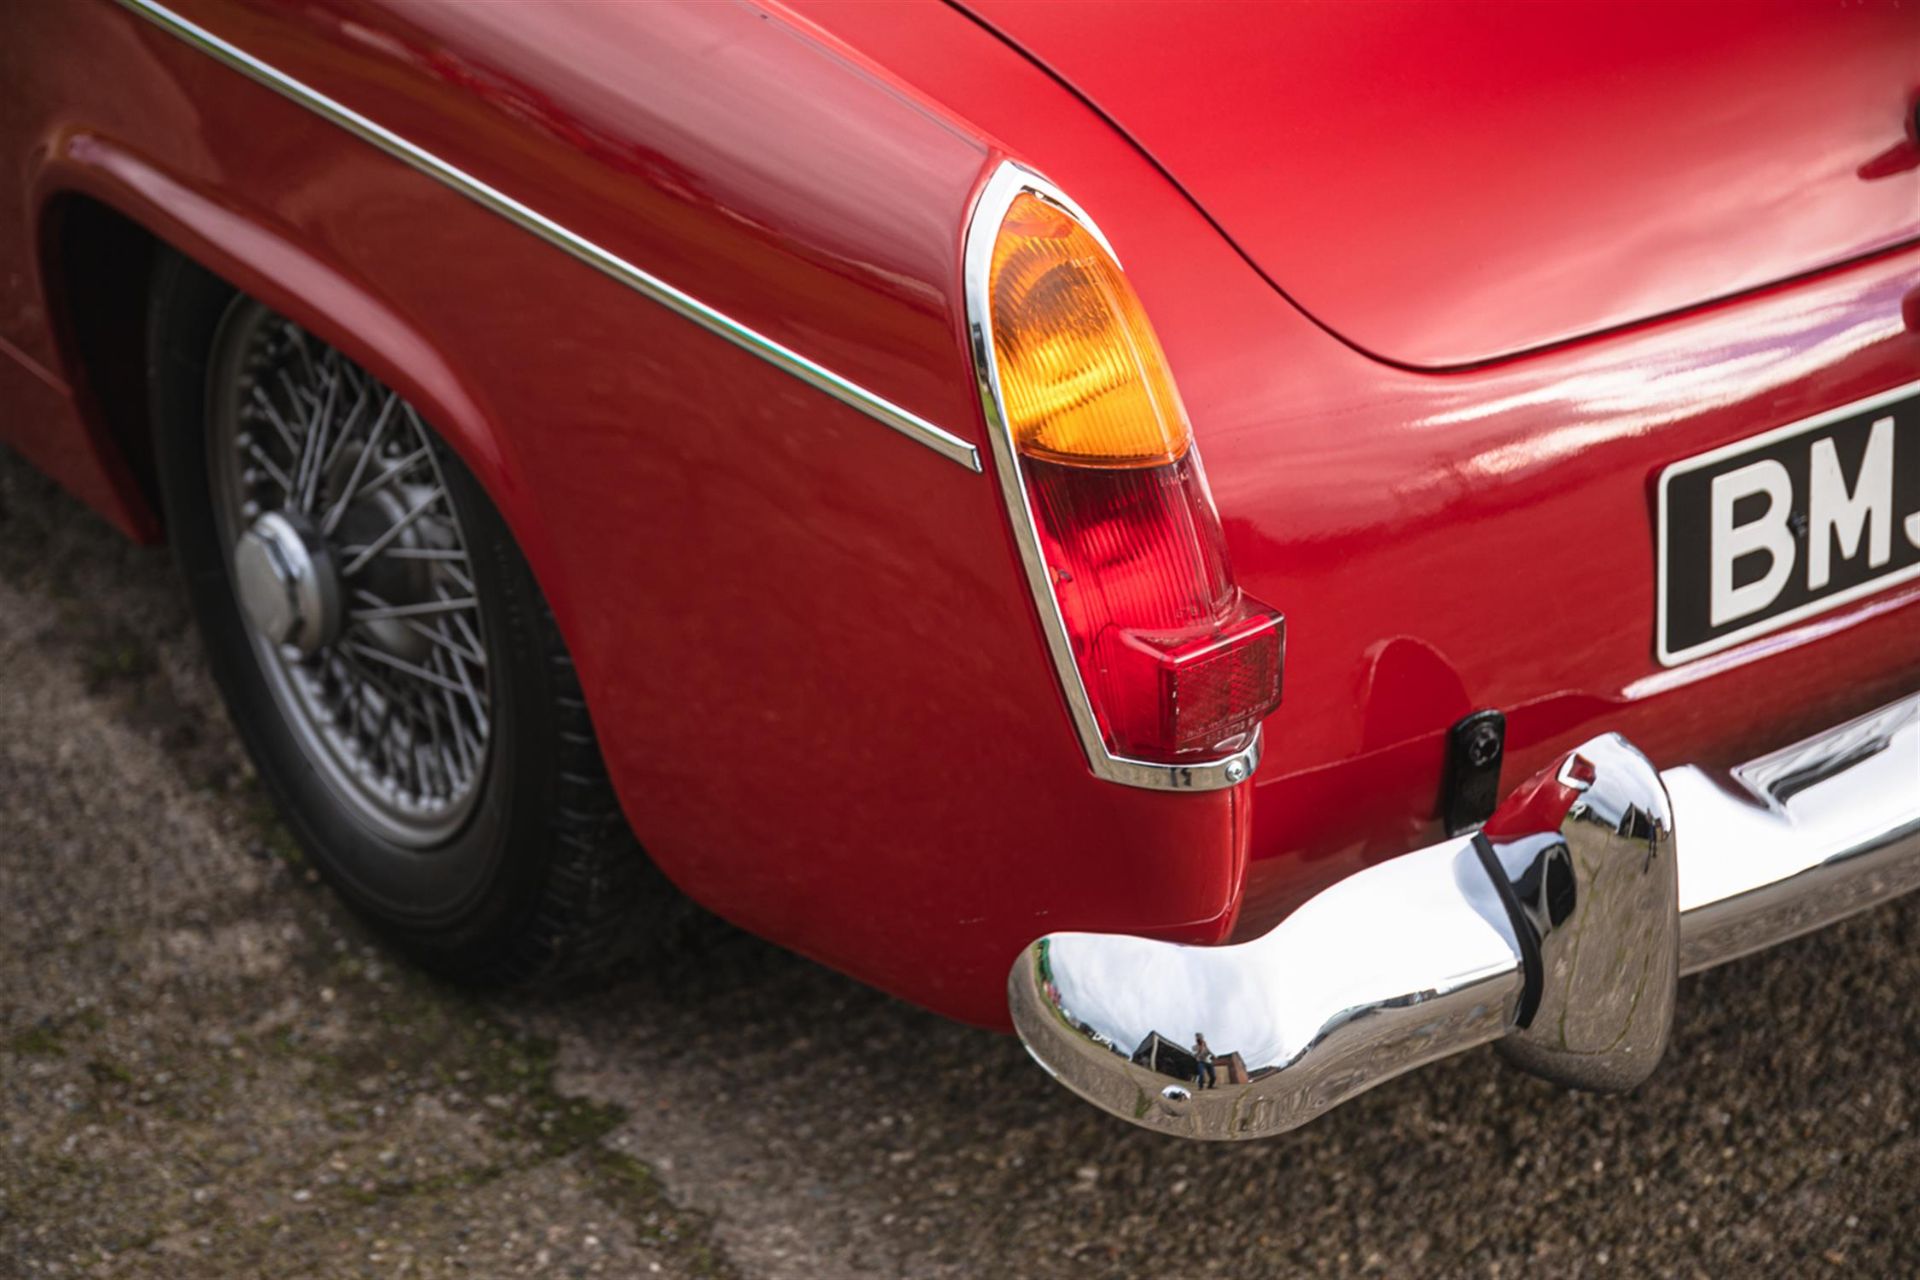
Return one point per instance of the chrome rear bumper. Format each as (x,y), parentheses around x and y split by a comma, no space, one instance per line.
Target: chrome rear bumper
(1560,932)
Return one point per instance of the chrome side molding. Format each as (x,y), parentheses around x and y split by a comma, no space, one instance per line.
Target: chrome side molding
(1559,931)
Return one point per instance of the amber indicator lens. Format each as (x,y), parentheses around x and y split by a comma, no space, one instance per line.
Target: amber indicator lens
(1082,375)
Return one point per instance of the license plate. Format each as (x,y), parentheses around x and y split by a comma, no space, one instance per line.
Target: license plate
(1761,534)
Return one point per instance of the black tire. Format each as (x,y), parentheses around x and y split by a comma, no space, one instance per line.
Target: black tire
(543,879)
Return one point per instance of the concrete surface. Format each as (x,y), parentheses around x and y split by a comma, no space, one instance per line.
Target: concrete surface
(207,1069)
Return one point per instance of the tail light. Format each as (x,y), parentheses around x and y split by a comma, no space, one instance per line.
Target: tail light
(1168,666)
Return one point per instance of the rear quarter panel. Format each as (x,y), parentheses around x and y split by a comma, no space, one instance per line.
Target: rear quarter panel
(812,665)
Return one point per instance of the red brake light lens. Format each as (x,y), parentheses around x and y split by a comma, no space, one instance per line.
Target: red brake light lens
(1178,663)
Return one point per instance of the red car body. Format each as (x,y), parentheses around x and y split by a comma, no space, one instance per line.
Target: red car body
(1444,297)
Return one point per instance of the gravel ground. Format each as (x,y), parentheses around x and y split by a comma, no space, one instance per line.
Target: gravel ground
(208,1069)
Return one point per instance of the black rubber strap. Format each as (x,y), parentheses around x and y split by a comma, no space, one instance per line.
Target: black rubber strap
(1530,971)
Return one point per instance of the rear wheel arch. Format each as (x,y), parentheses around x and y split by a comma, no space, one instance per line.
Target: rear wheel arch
(106,216)
(96,267)
(106,221)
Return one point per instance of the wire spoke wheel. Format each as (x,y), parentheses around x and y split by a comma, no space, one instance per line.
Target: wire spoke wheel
(385,651)
(353,573)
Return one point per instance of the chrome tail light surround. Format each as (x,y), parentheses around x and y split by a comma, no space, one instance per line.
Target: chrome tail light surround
(1008,182)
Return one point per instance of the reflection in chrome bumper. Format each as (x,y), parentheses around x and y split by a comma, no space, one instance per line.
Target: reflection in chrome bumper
(1560,932)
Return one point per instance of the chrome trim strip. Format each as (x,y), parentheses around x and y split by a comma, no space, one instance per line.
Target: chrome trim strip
(1422,956)
(1008,181)
(815,375)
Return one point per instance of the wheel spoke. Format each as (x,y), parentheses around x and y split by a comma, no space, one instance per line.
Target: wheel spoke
(299,394)
(393,531)
(313,447)
(264,403)
(439,750)
(347,425)
(363,650)
(399,468)
(442,554)
(469,751)
(298,338)
(436,634)
(367,451)
(266,464)
(376,613)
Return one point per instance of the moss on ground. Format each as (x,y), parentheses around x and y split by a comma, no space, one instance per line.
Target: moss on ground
(435,1038)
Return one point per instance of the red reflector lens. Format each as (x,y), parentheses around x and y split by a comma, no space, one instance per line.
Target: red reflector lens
(1178,664)
(1213,690)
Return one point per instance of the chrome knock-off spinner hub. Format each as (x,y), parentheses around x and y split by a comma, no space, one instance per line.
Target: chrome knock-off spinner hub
(287,583)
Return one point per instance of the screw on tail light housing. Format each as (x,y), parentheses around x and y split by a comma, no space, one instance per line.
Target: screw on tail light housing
(1167,666)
